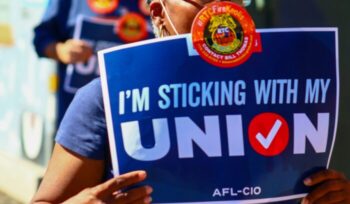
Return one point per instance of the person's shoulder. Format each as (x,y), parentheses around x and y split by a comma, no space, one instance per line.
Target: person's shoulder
(91,91)
(93,87)
(83,129)
(88,99)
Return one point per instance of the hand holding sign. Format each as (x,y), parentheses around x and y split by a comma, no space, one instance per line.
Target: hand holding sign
(331,187)
(73,51)
(110,191)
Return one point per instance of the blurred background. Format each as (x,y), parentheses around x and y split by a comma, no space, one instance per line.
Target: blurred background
(28,85)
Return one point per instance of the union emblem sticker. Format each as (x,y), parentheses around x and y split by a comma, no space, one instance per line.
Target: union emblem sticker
(223,33)
(132,27)
(103,6)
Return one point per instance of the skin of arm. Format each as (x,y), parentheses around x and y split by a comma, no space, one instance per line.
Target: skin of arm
(71,178)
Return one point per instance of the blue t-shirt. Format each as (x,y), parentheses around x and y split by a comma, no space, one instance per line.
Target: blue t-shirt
(83,129)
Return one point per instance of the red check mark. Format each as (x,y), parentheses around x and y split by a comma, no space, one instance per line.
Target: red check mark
(268,134)
(266,141)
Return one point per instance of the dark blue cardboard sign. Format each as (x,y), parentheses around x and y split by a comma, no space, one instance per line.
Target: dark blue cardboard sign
(204,134)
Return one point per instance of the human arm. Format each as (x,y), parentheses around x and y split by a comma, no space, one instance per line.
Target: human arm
(52,36)
(330,187)
(79,158)
(71,178)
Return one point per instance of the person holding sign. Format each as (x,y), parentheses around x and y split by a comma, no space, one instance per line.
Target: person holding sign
(80,168)
(55,38)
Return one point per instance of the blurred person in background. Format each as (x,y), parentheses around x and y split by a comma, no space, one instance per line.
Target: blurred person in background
(54,35)
(80,169)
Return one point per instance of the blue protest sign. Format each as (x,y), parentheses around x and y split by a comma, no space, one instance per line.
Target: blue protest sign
(99,34)
(204,134)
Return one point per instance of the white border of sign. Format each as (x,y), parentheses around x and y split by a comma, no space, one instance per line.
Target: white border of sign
(110,121)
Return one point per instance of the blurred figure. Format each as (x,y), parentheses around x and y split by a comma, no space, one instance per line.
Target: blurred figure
(54,35)
(53,39)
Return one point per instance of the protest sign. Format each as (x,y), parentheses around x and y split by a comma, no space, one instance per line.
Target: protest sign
(206,134)
(99,34)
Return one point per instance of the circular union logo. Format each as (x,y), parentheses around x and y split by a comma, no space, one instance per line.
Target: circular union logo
(132,27)
(103,6)
(223,33)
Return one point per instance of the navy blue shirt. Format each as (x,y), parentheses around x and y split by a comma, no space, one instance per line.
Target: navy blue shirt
(60,17)
(58,25)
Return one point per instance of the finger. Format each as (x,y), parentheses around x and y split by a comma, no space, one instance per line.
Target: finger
(74,57)
(322,176)
(76,49)
(134,194)
(69,42)
(77,46)
(87,52)
(82,54)
(76,42)
(80,43)
(325,188)
(332,197)
(86,46)
(145,200)
(119,182)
